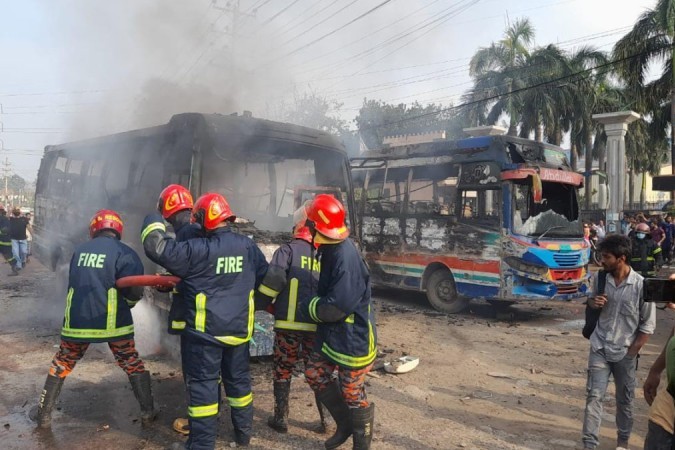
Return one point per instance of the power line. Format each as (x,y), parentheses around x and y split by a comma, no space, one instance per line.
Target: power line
(50,106)
(21,150)
(32,132)
(24,155)
(318,23)
(280,12)
(44,113)
(391,40)
(400,83)
(330,33)
(91,91)
(410,30)
(255,6)
(441,20)
(590,70)
(309,10)
(361,39)
(236,13)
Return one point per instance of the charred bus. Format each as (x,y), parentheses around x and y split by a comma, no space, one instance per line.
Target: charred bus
(265,169)
(493,217)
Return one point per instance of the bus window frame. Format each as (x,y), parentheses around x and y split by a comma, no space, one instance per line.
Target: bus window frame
(481,215)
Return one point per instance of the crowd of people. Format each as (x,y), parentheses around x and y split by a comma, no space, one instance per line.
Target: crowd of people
(660,230)
(317,286)
(15,238)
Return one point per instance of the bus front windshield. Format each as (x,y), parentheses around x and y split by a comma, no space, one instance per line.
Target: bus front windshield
(264,187)
(556,216)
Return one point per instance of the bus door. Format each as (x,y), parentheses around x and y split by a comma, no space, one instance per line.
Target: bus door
(477,243)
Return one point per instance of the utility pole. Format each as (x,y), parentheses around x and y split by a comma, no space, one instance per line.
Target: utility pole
(6,172)
(236,15)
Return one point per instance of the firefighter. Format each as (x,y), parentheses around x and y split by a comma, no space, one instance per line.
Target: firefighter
(175,205)
(291,279)
(346,336)
(96,311)
(220,275)
(646,257)
(5,240)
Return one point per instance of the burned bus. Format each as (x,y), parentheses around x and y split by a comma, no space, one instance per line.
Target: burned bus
(491,217)
(265,169)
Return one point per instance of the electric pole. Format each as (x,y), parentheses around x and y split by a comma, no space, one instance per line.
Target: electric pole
(236,15)
(6,172)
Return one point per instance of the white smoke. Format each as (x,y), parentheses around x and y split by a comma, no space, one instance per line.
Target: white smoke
(149,328)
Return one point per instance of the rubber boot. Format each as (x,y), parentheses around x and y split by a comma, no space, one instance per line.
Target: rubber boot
(323,426)
(278,422)
(331,398)
(362,424)
(42,413)
(140,384)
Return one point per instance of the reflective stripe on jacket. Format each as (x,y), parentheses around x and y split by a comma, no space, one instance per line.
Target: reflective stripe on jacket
(96,311)
(220,274)
(343,295)
(184,231)
(646,256)
(292,279)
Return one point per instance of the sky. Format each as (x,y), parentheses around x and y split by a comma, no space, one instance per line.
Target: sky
(76,69)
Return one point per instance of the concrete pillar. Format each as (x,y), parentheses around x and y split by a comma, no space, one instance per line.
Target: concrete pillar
(616,125)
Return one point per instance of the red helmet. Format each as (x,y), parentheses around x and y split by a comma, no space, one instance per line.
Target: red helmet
(642,227)
(174,198)
(302,232)
(328,216)
(210,210)
(106,219)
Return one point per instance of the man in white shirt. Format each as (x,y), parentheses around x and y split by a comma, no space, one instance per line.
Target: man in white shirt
(623,327)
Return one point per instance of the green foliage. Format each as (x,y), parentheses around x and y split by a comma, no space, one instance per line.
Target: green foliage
(377,119)
(313,111)
(15,183)
(651,41)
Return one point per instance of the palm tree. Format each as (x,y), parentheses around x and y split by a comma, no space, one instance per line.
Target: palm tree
(541,107)
(651,40)
(495,70)
(644,153)
(584,95)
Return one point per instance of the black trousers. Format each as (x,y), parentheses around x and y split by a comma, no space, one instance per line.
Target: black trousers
(204,363)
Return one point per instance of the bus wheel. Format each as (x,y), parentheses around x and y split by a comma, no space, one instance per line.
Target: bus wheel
(442,293)
(597,258)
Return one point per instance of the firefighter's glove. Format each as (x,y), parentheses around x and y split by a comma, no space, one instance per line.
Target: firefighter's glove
(165,289)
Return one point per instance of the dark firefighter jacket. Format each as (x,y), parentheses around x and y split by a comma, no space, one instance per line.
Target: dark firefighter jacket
(220,274)
(292,279)
(5,240)
(646,256)
(96,311)
(346,333)
(184,231)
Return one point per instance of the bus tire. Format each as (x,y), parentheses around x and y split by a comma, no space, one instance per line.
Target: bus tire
(597,257)
(442,293)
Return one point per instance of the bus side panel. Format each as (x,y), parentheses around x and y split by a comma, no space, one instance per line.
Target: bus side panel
(400,250)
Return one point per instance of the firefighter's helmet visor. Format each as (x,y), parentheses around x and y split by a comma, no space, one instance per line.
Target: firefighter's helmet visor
(300,215)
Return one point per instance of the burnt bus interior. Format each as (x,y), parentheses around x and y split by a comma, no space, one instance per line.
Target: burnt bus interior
(264,180)
(420,203)
(442,188)
(264,169)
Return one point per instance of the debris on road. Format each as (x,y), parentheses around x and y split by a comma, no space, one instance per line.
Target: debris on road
(404,364)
